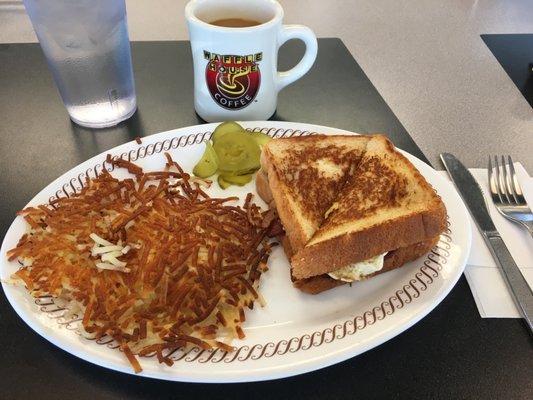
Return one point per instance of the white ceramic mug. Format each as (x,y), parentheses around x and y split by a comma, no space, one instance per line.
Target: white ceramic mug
(235,69)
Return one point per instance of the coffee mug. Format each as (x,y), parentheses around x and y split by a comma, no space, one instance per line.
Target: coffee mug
(235,47)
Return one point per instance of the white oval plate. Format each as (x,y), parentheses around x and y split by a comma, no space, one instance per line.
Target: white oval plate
(295,332)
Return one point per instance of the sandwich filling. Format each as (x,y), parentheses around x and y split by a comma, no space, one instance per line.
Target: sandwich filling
(357,271)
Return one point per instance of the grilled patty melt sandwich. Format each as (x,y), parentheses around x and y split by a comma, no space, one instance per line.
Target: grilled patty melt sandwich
(351,207)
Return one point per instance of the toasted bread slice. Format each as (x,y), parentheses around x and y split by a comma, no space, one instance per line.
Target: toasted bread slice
(305,175)
(386,204)
(263,189)
(394,259)
(320,283)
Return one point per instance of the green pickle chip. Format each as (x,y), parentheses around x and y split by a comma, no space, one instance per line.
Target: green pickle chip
(233,153)
(239,180)
(224,128)
(222,183)
(237,153)
(260,138)
(208,164)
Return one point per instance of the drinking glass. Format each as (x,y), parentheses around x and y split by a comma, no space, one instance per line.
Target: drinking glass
(87,48)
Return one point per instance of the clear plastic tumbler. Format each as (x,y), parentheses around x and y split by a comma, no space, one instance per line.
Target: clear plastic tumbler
(87,48)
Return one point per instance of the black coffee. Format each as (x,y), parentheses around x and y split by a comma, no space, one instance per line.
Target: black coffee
(235,22)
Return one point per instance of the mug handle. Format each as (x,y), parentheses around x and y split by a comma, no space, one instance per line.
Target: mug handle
(307,36)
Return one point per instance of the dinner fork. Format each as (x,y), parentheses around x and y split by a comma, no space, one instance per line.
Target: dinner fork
(507,194)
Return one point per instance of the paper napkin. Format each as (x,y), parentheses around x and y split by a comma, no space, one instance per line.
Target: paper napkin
(488,286)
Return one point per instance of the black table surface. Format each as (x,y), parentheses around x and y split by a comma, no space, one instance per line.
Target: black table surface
(452,353)
(514,52)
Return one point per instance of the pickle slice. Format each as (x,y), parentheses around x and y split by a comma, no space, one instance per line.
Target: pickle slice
(260,138)
(225,127)
(208,164)
(239,180)
(222,182)
(245,171)
(237,153)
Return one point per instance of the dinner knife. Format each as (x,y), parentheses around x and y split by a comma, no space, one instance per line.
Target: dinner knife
(472,195)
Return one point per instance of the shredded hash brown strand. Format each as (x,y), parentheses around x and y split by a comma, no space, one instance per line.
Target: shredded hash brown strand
(190,264)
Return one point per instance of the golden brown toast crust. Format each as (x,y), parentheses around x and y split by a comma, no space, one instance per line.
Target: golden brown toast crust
(384,178)
(263,190)
(302,194)
(417,212)
(320,283)
(293,229)
(415,234)
(345,249)
(394,259)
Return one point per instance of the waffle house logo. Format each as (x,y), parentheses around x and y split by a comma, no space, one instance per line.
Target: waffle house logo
(233,81)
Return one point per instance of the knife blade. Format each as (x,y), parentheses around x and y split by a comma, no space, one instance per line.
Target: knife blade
(470,191)
(472,195)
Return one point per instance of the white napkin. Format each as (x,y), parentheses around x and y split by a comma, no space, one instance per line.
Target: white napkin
(484,277)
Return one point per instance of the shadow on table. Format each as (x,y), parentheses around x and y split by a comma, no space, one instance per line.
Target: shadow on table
(274,117)
(91,141)
(277,117)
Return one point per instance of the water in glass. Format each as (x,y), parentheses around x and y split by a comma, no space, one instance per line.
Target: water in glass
(87,48)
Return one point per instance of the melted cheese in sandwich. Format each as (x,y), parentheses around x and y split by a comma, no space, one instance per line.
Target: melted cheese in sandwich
(357,271)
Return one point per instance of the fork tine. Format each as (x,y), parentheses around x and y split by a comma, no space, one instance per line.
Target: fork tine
(507,180)
(496,198)
(506,192)
(499,186)
(517,190)
(501,181)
